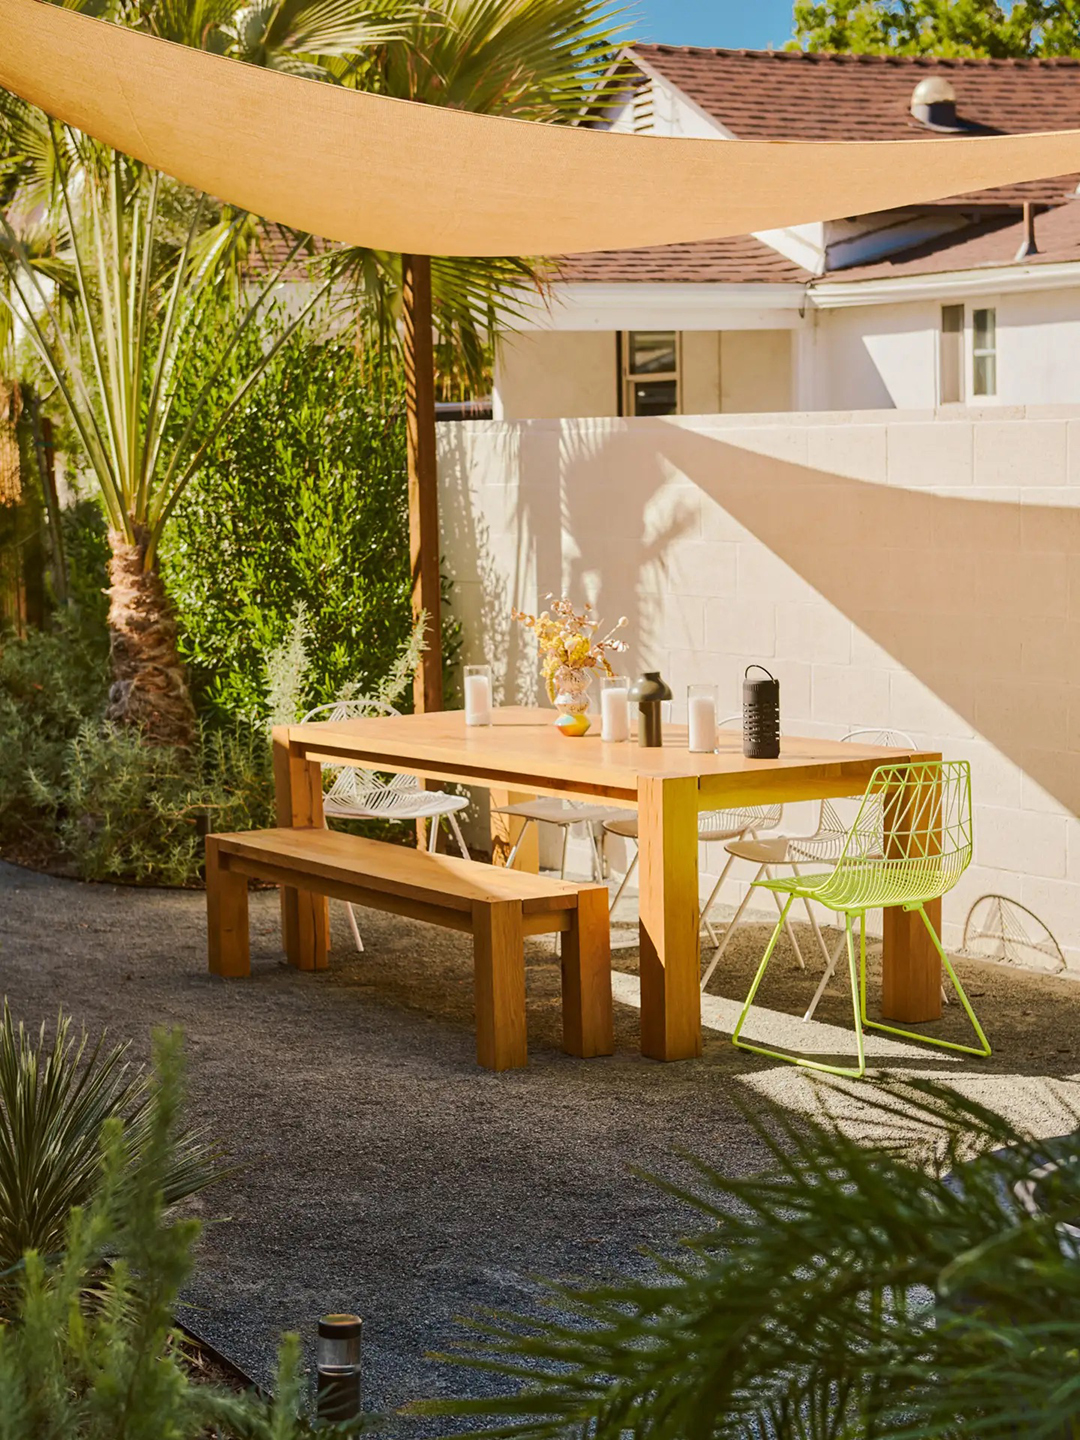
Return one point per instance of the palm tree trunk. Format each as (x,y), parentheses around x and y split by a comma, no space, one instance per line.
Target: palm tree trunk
(149,688)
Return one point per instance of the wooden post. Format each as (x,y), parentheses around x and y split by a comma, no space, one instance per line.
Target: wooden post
(423,474)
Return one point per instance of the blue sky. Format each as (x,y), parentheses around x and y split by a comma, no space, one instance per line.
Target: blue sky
(735,24)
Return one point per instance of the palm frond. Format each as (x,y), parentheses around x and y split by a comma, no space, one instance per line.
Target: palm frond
(56,1099)
(896,1291)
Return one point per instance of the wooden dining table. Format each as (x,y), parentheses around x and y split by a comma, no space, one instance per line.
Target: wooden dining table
(522,755)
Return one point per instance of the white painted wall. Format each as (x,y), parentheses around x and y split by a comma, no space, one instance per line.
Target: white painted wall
(568,374)
(915,570)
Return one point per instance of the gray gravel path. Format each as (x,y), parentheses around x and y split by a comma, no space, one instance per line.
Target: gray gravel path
(384,1173)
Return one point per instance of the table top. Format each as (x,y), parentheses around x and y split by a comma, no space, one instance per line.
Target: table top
(522,750)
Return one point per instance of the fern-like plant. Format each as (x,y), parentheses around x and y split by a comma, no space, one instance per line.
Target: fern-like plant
(891,1291)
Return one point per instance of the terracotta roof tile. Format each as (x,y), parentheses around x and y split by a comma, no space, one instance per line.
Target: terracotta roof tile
(797,95)
(739,259)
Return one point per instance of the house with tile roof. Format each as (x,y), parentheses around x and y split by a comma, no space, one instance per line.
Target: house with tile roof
(970,300)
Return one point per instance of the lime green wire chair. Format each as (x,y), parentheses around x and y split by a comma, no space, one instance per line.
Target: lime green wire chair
(910,843)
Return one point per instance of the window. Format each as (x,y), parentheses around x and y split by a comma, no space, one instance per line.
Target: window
(951,357)
(650,376)
(984,352)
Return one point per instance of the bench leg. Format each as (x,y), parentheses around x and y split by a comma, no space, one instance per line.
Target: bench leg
(305,917)
(499,970)
(588,1025)
(228,950)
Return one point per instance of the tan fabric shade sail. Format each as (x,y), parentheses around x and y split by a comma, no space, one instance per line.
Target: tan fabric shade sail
(368,170)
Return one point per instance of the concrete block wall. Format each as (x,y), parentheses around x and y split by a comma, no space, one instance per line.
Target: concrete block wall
(919,570)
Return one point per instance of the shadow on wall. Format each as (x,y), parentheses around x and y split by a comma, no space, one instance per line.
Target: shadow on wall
(979,599)
(614,528)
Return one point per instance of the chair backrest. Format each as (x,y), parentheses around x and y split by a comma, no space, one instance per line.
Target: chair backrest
(360,708)
(831,819)
(911,839)
(748,817)
(871,735)
(351,784)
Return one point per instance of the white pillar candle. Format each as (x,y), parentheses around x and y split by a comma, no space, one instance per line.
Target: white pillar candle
(615,713)
(477,700)
(702,711)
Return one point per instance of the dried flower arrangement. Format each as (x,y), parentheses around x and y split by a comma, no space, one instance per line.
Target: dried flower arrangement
(567,637)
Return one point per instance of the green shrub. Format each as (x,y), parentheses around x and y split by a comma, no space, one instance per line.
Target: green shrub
(125,810)
(51,683)
(303,502)
(113,1370)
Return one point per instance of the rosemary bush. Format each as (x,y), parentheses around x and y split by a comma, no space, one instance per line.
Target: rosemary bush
(850,1292)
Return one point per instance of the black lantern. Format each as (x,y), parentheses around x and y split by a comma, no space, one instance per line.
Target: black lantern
(760,715)
(649,691)
(337,1365)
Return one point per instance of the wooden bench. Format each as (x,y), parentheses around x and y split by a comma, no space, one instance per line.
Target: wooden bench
(497,907)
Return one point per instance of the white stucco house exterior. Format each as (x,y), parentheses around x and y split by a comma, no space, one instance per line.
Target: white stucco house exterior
(974,300)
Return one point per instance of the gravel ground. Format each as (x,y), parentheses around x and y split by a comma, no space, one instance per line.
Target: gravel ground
(383,1172)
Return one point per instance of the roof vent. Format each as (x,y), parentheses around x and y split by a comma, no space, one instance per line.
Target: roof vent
(933,104)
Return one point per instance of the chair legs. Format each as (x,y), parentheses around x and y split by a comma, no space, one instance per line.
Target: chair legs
(984,1045)
(624,882)
(351,913)
(733,922)
(858,998)
(858,1009)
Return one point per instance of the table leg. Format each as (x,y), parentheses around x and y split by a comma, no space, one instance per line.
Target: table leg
(305,918)
(670,964)
(505,830)
(911,967)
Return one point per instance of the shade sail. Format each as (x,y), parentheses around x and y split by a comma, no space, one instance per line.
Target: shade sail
(369,170)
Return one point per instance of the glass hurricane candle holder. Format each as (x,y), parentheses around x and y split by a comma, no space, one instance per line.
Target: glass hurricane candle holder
(615,708)
(477,694)
(701,718)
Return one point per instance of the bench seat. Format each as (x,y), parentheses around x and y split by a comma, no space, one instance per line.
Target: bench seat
(498,907)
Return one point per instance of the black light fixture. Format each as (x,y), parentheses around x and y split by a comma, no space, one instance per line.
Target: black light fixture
(761,715)
(649,692)
(337,1367)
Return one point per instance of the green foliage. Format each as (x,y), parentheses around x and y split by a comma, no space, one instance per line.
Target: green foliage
(50,682)
(301,502)
(85,538)
(56,1099)
(111,1370)
(121,809)
(851,1292)
(939,27)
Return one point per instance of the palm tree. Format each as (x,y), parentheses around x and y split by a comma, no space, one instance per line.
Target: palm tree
(125,272)
(112,272)
(548,61)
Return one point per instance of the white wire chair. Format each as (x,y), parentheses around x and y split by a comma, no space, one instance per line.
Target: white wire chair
(358,794)
(823,846)
(550,810)
(713,825)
